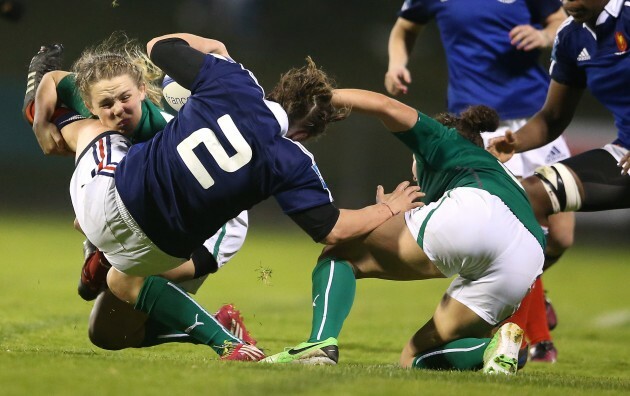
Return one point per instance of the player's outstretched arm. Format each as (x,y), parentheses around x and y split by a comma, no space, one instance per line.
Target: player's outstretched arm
(546,125)
(355,223)
(396,116)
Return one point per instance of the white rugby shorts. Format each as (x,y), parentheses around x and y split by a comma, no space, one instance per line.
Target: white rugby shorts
(524,164)
(109,226)
(474,235)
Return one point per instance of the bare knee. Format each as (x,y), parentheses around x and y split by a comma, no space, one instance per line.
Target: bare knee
(103,340)
(114,324)
(561,233)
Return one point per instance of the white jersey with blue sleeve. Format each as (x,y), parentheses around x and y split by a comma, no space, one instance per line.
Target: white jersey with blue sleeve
(600,60)
(224,152)
(483,66)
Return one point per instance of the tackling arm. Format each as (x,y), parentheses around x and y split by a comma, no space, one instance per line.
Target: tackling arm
(201,44)
(182,55)
(545,126)
(549,123)
(355,223)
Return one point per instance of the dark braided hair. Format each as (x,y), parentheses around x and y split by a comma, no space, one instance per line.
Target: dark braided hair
(471,122)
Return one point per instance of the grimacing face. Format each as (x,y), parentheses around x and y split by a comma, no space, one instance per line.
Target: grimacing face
(117,103)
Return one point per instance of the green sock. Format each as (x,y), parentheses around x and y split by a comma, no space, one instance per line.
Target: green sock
(155,333)
(462,354)
(169,305)
(334,286)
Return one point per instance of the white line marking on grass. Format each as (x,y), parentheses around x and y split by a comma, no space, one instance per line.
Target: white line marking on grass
(613,319)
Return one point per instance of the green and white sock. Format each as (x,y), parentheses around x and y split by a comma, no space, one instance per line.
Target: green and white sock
(462,354)
(169,305)
(334,286)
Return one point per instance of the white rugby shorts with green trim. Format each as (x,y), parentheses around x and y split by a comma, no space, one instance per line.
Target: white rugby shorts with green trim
(474,235)
(109,226)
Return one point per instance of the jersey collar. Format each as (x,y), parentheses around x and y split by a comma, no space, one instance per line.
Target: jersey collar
(613,8)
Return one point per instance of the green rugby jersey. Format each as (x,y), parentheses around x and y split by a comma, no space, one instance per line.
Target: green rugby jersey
(151,120)
(446,160)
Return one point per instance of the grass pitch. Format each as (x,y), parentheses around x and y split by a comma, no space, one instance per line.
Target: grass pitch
(44,347)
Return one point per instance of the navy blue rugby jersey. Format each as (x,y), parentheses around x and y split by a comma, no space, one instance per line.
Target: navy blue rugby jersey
(224,152)
(483,67)
(600,60)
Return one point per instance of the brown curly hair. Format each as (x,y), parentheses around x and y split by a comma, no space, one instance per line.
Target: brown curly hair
(471,122)
(306,95)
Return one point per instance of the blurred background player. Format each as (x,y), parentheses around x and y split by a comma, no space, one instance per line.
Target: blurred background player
(492,52)
(591,51)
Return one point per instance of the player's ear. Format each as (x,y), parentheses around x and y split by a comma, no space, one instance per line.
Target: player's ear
(143,91)
(89,107)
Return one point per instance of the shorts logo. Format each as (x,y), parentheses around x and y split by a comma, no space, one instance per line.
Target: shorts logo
(506,1)
(622,44)
(554,155)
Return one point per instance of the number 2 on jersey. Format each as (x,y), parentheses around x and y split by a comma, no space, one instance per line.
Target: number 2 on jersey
(209,139)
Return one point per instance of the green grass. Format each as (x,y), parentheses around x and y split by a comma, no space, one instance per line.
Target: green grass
(44,347)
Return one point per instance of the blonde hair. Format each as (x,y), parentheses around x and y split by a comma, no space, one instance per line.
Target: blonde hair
(116,56)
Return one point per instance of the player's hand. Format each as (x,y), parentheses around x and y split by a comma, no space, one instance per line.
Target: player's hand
(402,199)
(396,80)
(527,38)
(503,147)
(624,163)
(50,139)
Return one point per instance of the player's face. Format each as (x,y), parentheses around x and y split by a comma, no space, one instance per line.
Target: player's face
(117,102)
(584,10)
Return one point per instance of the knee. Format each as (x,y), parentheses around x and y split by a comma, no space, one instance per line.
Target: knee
(558,242)
(104,340)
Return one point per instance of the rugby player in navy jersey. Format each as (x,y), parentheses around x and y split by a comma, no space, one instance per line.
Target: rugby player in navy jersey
(591,52)
(114,324)
(149,206)
(492,51)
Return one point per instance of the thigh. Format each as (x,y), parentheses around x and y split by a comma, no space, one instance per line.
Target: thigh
(388,252)
(603,185)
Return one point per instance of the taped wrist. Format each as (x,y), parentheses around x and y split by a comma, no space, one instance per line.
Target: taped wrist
(63,117)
